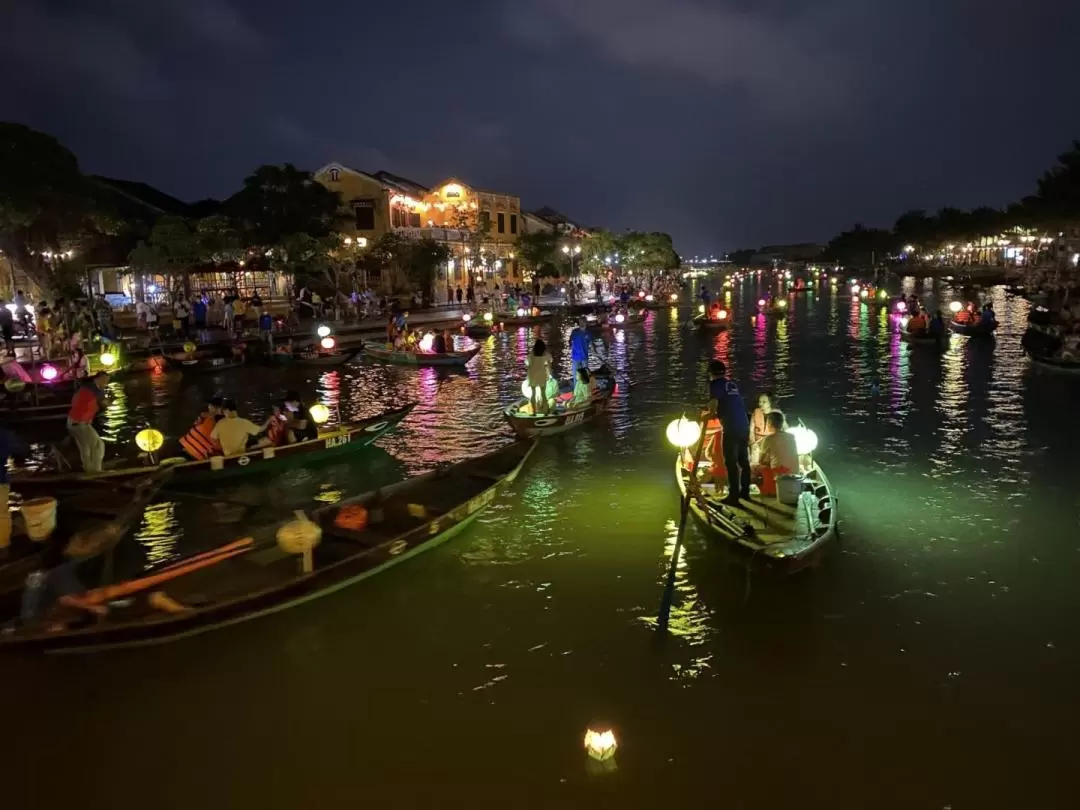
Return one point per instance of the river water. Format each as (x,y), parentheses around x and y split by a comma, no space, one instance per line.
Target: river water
(929,660)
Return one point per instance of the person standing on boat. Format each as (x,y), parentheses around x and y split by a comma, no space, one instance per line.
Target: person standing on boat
(579,346)
(726,404)
(88,402)
(539,371)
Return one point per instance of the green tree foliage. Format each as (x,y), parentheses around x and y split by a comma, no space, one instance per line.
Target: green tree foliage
(405,265)
(598,250)
(278,202)
(641,252)
(540,252)
(1058,190)
(49,211)
(865,246)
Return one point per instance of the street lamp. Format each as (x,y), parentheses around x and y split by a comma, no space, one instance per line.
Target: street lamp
(571,253)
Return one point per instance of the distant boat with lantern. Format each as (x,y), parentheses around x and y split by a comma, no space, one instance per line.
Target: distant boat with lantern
(419,358)
(615,319)
(647,300)
(320,358)
(481,325)
(972,330)
(200,361)
(717,324)
(922,338)
(562,418)
(276,569)
(785,529)
(331,444)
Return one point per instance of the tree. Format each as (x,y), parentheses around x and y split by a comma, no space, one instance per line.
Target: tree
(539,251)
(639,252)
(1058,192)
(171,250)
(742,257)
(49,212)
(278,202)
(599,249)
(422,260)
(913,228)
(860,246)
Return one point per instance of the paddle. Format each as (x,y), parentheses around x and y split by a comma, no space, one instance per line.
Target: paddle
(669,588)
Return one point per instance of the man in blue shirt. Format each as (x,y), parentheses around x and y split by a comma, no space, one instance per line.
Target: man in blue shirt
(726,404)
(579,347)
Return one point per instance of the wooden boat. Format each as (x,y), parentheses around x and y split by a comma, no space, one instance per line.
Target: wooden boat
(331,444)
(420,358)
(703,321)
(201,363)
(972,330)
(610,320)
(360,537)
(593,308)
(505,320)
(659,301)
(35,404)
(1057,364)
(338,358)
(921,339)
(529,426)
(783,535)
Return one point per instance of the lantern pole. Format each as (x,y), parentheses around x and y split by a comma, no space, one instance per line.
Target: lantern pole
(669,588)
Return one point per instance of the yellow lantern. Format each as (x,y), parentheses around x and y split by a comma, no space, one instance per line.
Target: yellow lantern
(674,297)
(319,413)
(600,745)
(683,432)
(701,308)
(323,331)
(300,536)
(805,439)
(488,317)
(149,440)
(189,347)
(955,307)
(108,359)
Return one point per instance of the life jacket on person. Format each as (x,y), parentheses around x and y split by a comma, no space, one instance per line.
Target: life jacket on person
(197,442)
(277,433)
(917,323)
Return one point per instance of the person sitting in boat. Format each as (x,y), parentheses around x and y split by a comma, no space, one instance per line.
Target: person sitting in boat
(199,442)
(276,428)
(438,345)
(936,326)
(988,318)
(233,431)
(585,389)
(965,315)
(778,453)
(302,427)
(918,324)
(284,348)
(714,311)
(538,373)
(758,428)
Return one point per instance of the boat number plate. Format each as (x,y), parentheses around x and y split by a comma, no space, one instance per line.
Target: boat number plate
(243,461)
(574,418)
(217,361)
(376,427)
(337,441)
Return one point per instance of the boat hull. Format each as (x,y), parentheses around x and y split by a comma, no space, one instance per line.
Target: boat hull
(709,325)
(421,359)
(531,427)
(967,330)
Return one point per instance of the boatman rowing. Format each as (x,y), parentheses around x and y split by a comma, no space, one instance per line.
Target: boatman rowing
(726,405)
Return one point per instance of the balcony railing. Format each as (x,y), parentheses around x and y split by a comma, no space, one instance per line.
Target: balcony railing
(438,234)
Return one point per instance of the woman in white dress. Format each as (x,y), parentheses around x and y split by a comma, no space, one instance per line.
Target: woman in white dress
(539,372)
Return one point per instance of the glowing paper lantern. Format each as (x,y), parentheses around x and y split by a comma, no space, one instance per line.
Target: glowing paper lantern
(855,289)
(521,312)
(721,315)
(955,307)
(901,306)
(323,331)
(650,297)
(641,294)
(488,317)
(49,373)
(600,745)
(300,536)
(619,318)
(805,439)
(352,517)
(761,302)
(149,440)
(319,413)
(882,293)
(108,359)
(427,342)
(466,317)
(701,308)
(674,297)
(781,303)
(864,294)
(683,432)
(189,347)
(328,343)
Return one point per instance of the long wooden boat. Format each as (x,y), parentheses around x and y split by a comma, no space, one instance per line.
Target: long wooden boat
(44,405)
(420,358)
(1053,363)
(702,321)
(972,330)
(785,536)
(923,338)
(360,537)
(201,364)
(563,418)
(331,444)
(657,301)
(505,320)
(610,320)
(338,358)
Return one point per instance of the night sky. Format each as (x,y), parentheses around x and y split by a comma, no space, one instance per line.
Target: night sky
(725,123)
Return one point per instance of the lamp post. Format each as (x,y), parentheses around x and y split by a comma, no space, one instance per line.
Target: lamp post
(576,250)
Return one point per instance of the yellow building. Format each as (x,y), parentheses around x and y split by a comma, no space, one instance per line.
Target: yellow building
(481,228)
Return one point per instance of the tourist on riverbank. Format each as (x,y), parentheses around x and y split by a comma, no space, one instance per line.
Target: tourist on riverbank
(7,327)
(726,405)
(87,403)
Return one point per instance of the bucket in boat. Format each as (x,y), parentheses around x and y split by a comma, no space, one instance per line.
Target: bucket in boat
(39,515)
(788,489)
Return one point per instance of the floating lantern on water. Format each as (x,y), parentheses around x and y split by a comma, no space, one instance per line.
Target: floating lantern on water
(328,343)
(882,294)
(600,745)
(833,280)
(673,297)
(149,440)
(427,342)
(761,302)
(466,317)
(562,290)
(108,359)
(955,307)
(781,303)
(619,318)
(650,297)
(805,439)
(323,331)
(683,432)
(300,536)
(855,289)
(521,312)
(488,317)
(49,373)
(319,413)
(901,306)
(864,294)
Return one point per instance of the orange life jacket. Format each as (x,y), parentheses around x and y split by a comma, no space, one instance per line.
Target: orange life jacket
(277,432)
(197,442)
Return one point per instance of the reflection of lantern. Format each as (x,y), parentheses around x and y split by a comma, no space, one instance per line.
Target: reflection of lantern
(319,413)
(300,536)
(619,318)
(49,373)
(674,297)
(855,289)
(600,745)
(466,317)
(323,331)
(328,343)
(805,439)
(955,307)
(149,440)
(521,312)
(108,359)
(683,432)
(855,299)
(488,317)
(189,347)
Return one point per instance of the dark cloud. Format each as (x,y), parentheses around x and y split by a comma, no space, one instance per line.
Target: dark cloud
(724,123)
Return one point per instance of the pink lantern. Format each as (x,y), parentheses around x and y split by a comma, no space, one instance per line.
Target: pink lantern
(901,306)
(328,343)
(49,373)
(761,302)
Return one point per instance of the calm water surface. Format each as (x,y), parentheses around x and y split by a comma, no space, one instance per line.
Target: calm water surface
(929,661)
